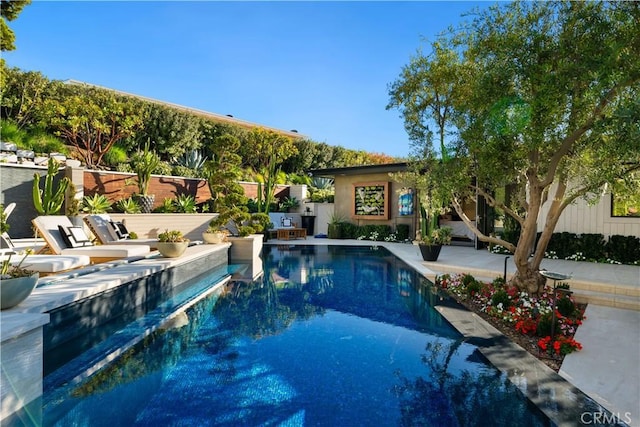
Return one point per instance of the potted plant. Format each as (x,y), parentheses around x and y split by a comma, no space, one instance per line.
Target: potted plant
(431,244)
(144,162)
(16,282)
(214,234)
(73,205)
(172,244)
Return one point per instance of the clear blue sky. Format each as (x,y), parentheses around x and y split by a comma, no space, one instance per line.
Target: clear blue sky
(322,68)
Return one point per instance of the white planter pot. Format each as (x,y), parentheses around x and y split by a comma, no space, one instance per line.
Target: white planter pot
(213,238)
(172,249)
(14,291)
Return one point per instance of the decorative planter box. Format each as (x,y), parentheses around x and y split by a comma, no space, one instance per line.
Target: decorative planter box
(245,249)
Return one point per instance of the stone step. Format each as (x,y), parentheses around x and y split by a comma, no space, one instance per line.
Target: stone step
(605,294)
(607,300)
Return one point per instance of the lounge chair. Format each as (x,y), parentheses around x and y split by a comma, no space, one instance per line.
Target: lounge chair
(63,238)
(109,232)
(49,264)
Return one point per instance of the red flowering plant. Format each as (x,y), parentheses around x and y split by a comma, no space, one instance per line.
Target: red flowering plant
(529,315)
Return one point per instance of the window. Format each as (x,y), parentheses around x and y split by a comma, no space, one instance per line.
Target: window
(626,203)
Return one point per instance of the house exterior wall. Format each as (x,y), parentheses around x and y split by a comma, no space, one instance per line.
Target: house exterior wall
(344,201)
(581,218)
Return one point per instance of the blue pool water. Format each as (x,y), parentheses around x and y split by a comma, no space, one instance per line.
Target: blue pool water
(331,335)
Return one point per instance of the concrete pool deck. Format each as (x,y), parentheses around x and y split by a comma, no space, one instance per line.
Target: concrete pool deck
(607,369)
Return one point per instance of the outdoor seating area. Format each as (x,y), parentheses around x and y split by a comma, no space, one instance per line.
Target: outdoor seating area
(63,238)
(286,226)
(287,233)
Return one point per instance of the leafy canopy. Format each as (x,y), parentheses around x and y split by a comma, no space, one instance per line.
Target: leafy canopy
(543,97)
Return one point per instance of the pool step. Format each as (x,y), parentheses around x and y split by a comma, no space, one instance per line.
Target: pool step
(604,294)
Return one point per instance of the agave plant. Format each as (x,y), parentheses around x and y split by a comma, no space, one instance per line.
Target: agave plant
(185,203)
(322,183)
(96,204)
(192,160)
(128,206)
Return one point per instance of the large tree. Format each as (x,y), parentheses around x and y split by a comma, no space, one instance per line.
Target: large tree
(22,95)
(549,105)
(9,10)
(92,119)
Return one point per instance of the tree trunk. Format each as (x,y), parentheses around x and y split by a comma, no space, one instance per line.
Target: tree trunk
(527,277)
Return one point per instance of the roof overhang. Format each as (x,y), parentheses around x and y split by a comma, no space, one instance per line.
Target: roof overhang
(360,170)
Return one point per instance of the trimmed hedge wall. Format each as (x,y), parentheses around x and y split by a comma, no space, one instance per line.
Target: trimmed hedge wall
(594,247)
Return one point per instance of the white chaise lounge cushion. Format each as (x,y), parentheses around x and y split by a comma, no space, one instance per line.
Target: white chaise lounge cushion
(109,251)
(100,225)
(50,263)
(47,226)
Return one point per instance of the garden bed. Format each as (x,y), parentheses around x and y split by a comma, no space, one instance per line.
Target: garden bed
(520,314)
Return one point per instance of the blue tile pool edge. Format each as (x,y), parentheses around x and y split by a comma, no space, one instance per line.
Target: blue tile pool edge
(101,356)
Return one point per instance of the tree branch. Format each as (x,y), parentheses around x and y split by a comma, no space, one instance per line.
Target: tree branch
(581,130)
(481,236)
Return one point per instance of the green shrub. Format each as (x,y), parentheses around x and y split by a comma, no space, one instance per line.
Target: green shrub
(42,142)
(167,206)
(349,230)
(180,170)
(185,203)
(625,249)
(128,205)
(96,204)
(566,307)
(499,282)
(544,325)
(163,168)
(564,244)
(115,156)
(592,246)
(402,232)
(467,279)
(500,297)
(474,287)
(11,133)
(124,167)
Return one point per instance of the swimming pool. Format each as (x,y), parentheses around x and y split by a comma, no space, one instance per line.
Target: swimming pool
(331,335)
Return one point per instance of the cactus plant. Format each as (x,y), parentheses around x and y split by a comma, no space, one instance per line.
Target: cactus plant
(49,201)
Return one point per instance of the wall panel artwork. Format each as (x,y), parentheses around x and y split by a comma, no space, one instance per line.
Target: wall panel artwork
(405,202)
(371,200)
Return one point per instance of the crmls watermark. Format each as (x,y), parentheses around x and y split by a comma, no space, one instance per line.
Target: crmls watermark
(598,418)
